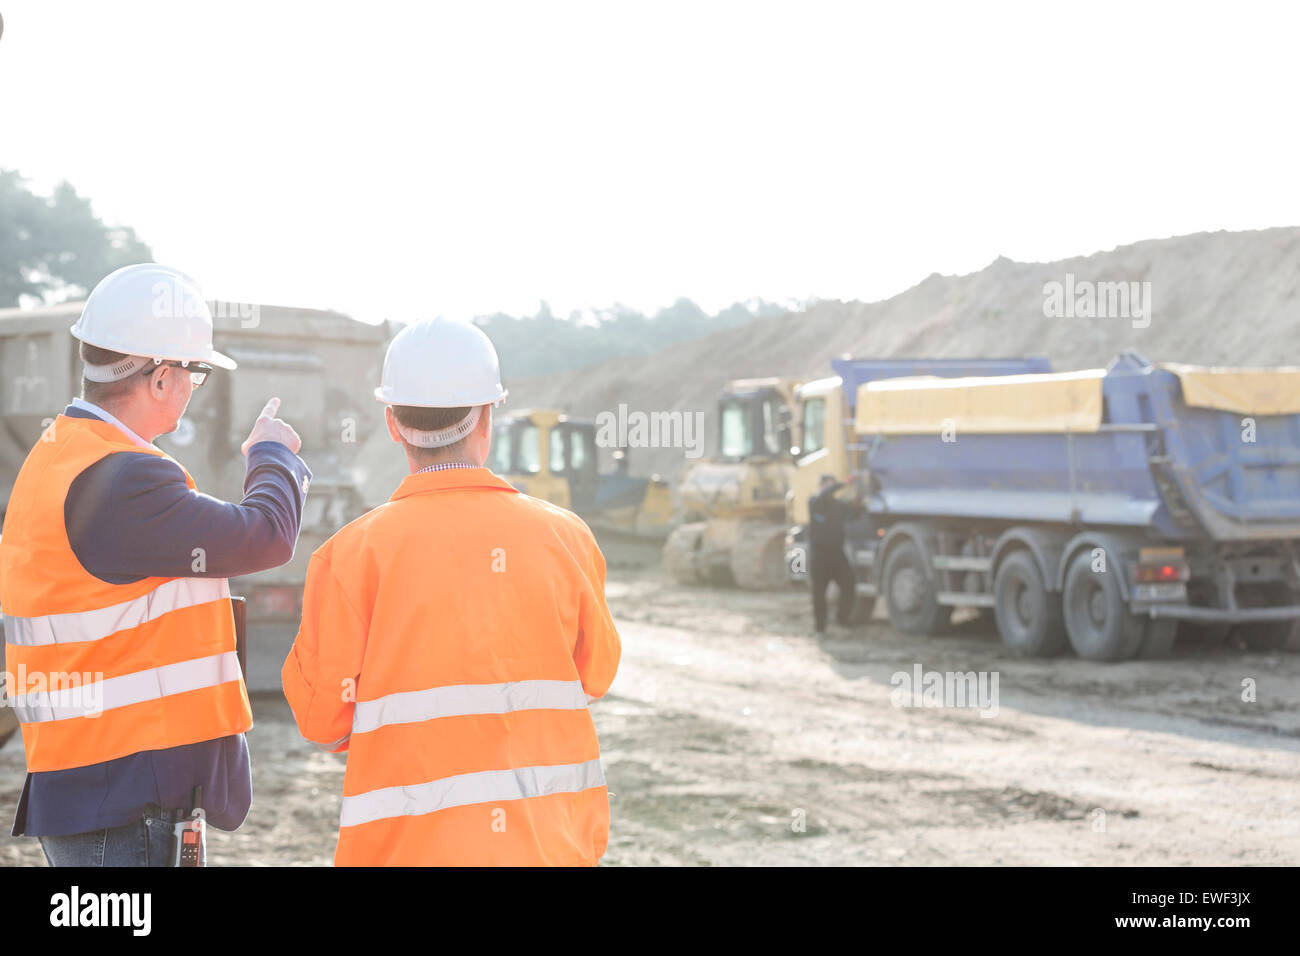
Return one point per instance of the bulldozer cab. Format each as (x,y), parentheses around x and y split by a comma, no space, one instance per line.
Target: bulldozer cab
(548,455)
(758,433)
(756,419)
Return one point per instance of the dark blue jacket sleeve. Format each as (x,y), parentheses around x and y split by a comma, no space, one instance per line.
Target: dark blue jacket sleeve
(131,516)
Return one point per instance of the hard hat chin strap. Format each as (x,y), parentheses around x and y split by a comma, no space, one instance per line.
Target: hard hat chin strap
(442,436)
(117,371)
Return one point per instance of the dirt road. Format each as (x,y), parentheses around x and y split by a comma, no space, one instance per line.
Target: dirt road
(731,736)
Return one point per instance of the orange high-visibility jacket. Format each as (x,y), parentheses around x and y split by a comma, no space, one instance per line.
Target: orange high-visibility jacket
(100,670)
(450,641)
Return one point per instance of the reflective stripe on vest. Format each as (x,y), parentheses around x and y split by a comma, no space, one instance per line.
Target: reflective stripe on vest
(95,697)
(467,788)
(460,700)
(103,622)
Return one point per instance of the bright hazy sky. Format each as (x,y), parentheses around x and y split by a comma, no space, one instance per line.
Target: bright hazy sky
(397,160)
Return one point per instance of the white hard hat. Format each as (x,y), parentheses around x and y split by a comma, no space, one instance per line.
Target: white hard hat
(438,363)
(153,311)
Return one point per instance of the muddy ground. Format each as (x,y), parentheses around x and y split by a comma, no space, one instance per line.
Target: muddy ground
(732,736)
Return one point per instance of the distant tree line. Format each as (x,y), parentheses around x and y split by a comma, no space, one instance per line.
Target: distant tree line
(544,344)
(54,247)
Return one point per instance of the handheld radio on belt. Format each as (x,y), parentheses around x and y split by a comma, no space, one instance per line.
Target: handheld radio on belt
(190,835)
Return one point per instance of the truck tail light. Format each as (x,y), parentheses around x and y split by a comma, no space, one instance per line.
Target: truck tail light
(1162,566)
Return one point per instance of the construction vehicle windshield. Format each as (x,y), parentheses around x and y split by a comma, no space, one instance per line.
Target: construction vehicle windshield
(814,426)
(499,456)
(751,425)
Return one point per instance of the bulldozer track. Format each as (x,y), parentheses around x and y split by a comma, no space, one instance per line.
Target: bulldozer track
(758,557)
(679,552)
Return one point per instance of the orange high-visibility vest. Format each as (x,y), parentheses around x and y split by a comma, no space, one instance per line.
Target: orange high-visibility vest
(450,640)
(99,671)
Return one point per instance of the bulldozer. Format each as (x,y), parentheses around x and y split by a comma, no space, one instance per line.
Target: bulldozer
(548,454)
(730,510)
(321,364)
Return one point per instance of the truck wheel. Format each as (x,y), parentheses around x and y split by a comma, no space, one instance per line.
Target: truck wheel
(1028,615)
(913,601)
(1158,638)
(1097,619)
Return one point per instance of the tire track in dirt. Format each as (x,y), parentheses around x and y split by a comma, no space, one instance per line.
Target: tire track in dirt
(1079,766)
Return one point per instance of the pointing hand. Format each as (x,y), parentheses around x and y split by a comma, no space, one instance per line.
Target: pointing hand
(269,428)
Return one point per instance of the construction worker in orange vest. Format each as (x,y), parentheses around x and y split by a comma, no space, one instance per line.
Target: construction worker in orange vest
(119,633)
(452,639)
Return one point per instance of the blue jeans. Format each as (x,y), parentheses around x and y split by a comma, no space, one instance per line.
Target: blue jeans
(143,842)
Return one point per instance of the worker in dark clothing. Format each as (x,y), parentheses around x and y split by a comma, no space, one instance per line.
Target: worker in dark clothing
(826,559)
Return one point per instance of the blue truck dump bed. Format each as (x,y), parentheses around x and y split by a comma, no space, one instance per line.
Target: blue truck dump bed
(1149,459)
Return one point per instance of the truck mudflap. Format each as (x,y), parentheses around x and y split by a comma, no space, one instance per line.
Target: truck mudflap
(1215,615)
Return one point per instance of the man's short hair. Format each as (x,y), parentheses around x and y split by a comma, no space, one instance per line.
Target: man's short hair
(98,393)
(828,479)
(431,420)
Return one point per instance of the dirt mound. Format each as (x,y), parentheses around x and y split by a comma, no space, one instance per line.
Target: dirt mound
(1224,297)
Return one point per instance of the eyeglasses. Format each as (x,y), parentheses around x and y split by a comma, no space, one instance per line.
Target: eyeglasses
(198,371)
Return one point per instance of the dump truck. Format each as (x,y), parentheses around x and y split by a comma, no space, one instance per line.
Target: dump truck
(1095,509)
(729,510)
(323,365)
